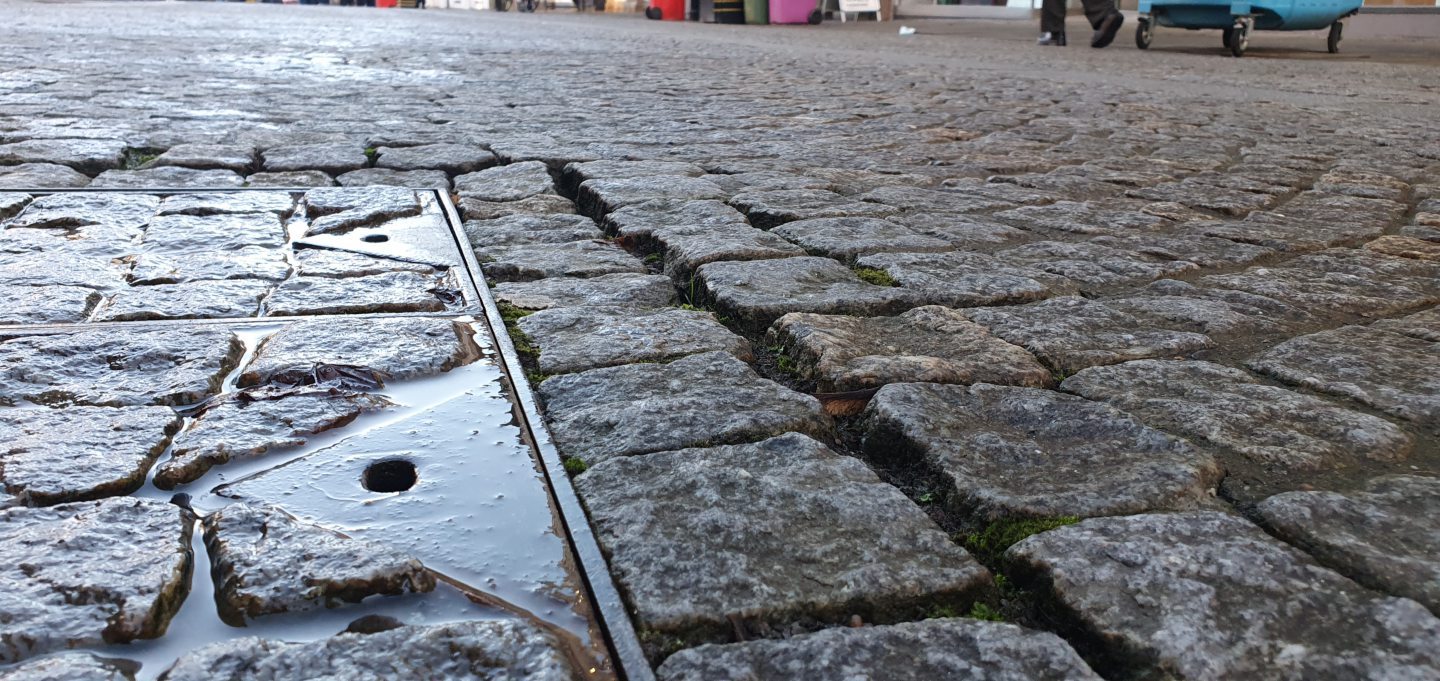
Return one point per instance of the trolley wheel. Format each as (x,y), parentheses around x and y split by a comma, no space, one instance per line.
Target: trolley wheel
(1333,42)
(652,13)
(816,16)
(1144,32)
(1227,35)
(1239,38)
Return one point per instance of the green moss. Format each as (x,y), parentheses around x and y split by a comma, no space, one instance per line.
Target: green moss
(536,377)
(136,158)
(927,498)
(654,259)
(940,611)
(981,611)
(992,541)
(371,153)
(575,465)
(876,276)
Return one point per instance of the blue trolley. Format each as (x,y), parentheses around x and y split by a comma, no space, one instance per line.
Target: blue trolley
(1237,18)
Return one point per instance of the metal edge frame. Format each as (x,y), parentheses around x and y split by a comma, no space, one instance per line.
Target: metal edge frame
(612,618)
(611,615)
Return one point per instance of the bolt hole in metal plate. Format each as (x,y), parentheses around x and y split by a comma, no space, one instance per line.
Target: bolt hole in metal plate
(445,458)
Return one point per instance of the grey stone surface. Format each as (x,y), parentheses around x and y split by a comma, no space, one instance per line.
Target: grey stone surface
(967,279)
(247,262)
(239,159)
(451,158)
(1007,452)
(42,176)
(72,667)
(76,209)
(209,233)
(1220,200)
(768,209)
(475,209)
(1213,404)
(1405,247)
(850,238)
(395,349)
(1094,266)
(85,155)
(385,177)
(756,293)
(12,203)
(1204,251)
(641,291)
(323,262)
(952,649)
(175,365)
(576,174)
(279,203)
(52,456)
(46,304)
(1209,596)
(527,262)
(1375,535)
(598,197)
(334,210)
(920,200)
(927,344)
(964,232)
(1346,282)
(290,178)
(384,292)
(1180,306)
(167,177)
(1353,182)
(700,400)
(1423,325)
(494,649)
(62,268)
(507,183)
(130,558)
(1388,371)
(708,541)
(687,248)
(224,299)
(1082,218)
(638,221)
(264,561)
(574,339)
(328,158)
(530,229)
(766,180)
(249,423)
(1072,333)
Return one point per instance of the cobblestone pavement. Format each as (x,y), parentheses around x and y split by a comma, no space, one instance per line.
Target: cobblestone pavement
(1133,351)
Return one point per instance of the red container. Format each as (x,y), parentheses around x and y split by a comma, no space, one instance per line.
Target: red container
(666,10)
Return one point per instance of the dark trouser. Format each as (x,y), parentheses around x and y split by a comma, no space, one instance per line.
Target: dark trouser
(1052,14)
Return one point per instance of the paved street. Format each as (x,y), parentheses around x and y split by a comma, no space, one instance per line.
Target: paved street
(869,356)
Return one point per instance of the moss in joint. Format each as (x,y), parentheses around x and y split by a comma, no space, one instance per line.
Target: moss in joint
(992,541)
(875,276)
(575,465)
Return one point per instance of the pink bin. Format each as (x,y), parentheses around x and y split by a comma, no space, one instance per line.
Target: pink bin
(792,12)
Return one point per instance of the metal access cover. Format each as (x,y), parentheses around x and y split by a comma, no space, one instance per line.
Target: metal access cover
(365,301)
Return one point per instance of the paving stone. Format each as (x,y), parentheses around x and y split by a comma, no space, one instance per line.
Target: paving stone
(338,210)
(756,293)
(1082,218)
(1285,234)
(1388,371)
(507,183)
(61,268)
(385,177)
(598,197)
(767,180)
(394,349)
(1006,452)
(77,209)
(963,232)
(527,262)
(687,248)
(226,299)
(264,562)
(700,400)
(175,366)
(576,174)
(1180,306)
(129,558)
(574,339)
(240,159)
(52,456)
(451,158)
(1370,535)
(172,234)
(328,158)
(1239,182)
(1202,250)
(640,291)
(977,189)
(638,221)
(849,238)
(385,292)
(851,181)
(290,178)
(1423,325)
(1072,333)
(281,204)
(1072,187)
(72,667)
(1354,182)
(1206,595)
(931,344)
(475,209)
(705,542)
(1213,404)
(46,304)
(920,200)
(166,177)
(323,262)
(248,262)
(530,229)
(88,156)
(1405,247)
(1340,282)
(1207,197)
(768,209)
(249,423)
(11,203)
(956,649)
(967,279)
(1092,265)
(42,176)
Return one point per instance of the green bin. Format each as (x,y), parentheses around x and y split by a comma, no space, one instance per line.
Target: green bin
(757,11)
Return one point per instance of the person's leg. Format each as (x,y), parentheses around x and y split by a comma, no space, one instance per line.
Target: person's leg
(1097,10)
(1052,22)
(1105,18)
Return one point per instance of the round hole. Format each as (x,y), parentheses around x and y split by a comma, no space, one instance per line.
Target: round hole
(375,238)
(391,475)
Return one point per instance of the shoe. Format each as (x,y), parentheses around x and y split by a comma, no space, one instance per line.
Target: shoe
(1056,38)
(1105,32)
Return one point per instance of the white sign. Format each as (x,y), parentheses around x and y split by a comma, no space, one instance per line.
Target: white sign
(859,5)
